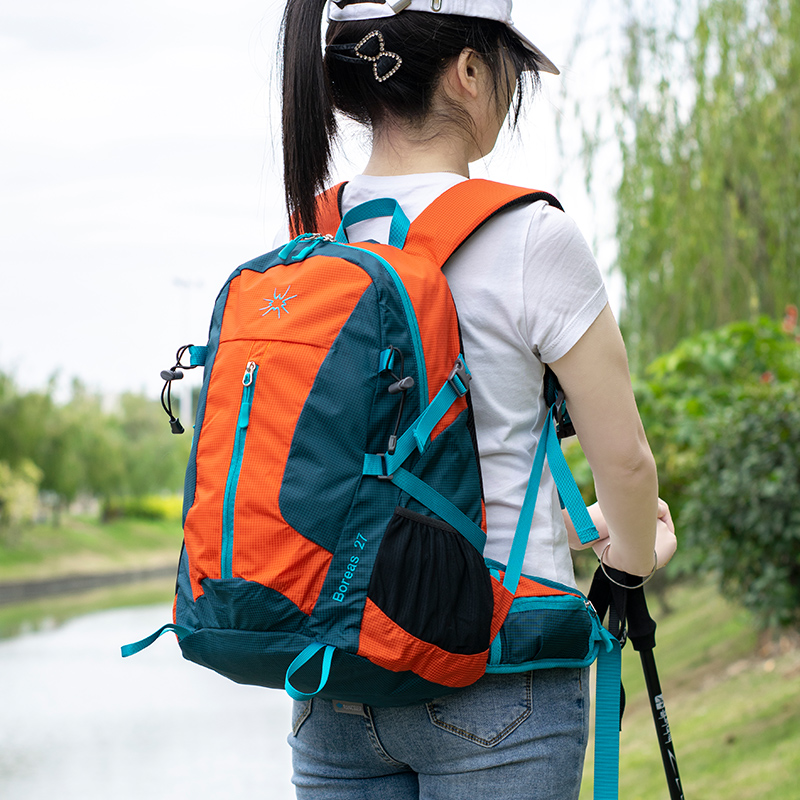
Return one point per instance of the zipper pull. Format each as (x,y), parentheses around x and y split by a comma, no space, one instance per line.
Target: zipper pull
(247,394)
(315,241)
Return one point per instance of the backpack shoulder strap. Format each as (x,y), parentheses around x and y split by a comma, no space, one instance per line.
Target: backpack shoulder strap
(329,210)
(457,213)
(448,221)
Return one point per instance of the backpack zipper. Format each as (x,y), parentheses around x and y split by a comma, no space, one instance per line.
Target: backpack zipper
(413,325)
(232,484)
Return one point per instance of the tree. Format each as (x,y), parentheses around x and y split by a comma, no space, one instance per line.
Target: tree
(18,492)
(709,201)
(154,459)
(82,448)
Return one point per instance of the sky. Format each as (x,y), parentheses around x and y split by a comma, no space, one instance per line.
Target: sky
(140,165)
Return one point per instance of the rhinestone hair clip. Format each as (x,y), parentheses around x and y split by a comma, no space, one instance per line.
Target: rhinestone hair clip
(372,49)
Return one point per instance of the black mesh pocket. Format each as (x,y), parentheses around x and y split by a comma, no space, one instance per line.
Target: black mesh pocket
(433,583)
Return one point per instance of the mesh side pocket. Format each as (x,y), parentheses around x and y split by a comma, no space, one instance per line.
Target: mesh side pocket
(433,583)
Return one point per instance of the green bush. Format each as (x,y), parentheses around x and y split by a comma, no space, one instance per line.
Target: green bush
(155,507)
(684,391)
(86,446)
(743,507)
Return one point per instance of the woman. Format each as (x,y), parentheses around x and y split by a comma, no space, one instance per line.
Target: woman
(432,80)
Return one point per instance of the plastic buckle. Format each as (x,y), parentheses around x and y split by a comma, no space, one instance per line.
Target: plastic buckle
(385,467)
(461,372)
(564,426)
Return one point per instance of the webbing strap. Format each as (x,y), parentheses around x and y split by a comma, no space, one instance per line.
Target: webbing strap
(438,407)
(197,355)
(131,649)
(304,657)
(522,533)
(417,435)
(571,496)
(441,506)
(568,489)
(606,721)
(386,359)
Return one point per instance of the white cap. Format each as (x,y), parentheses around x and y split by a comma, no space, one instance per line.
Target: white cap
(500,10)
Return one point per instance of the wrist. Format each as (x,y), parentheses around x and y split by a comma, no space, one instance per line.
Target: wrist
(626,585)
(615,556)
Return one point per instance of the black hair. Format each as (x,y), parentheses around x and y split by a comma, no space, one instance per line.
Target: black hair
(316,86)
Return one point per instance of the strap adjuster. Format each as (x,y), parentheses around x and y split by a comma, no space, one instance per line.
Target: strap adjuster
(384,476)
(459,377)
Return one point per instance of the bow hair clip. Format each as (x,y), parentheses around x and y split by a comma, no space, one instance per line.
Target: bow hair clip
(384,62)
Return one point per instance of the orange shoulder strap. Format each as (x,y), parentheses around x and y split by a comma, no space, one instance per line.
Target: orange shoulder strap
(448,221)
(329,210)
(457,213)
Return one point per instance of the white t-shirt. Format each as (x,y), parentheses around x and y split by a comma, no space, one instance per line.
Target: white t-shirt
(527,287)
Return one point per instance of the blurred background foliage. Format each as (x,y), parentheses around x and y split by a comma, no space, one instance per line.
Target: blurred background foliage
(707,127)
(53,454)
(708,228)
(708,206)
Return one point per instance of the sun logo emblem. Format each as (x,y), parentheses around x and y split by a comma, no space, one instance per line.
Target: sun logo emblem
(277,302)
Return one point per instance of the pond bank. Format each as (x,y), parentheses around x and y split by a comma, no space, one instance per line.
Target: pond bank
(26,590)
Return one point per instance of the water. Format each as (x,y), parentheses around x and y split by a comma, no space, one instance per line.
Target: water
(78,721)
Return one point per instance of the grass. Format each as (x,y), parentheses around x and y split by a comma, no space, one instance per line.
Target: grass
(81,545)
(733,702)
(85,546)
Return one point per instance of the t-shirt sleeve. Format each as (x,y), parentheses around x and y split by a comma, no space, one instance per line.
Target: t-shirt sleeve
(562,285)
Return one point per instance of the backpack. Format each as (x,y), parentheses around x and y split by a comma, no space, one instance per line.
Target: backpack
(333,512)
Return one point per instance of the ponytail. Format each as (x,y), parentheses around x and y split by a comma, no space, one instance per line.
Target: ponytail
(422,45)
(308,120)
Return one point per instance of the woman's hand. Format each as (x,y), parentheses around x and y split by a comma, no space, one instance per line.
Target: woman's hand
(666,541)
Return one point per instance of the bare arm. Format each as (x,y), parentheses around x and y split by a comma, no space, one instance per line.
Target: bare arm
(596,381)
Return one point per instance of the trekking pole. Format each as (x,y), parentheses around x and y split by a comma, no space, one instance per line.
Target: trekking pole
(629,619)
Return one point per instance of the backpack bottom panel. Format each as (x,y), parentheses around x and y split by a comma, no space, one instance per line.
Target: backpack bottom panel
(261,658)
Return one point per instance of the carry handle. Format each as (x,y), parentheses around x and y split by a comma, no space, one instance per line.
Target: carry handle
(136,647)
(372,209)
(305,656)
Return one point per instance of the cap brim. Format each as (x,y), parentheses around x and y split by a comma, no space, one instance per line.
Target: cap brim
(542,61)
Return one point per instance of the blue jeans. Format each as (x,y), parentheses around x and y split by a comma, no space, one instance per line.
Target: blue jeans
(507,737)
